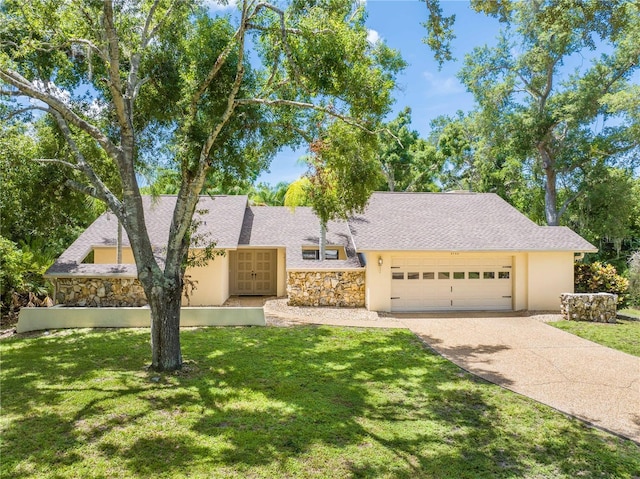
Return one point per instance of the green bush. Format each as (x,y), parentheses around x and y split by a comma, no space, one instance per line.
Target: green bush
(20,271)
(600,278)
(634,279)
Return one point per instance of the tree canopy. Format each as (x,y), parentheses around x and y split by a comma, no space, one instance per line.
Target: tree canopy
(558,119)
(168,82)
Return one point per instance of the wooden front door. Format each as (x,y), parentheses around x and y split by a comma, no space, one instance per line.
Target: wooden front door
(253,272)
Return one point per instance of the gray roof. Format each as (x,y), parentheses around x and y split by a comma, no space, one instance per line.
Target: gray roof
(294,228)
(391,222)
(454,222)
(219,220)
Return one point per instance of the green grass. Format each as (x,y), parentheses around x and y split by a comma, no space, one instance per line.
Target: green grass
(630,312)
(623,335)
(278,402)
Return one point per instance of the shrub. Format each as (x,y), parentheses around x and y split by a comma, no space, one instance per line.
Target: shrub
(20,271)
(600,278)
(634,279)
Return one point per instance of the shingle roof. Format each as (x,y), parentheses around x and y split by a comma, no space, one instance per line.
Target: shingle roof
(219,217)
(294,228)
(391,222)
(454,222)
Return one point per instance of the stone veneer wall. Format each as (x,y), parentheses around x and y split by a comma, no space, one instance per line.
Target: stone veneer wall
(326,288)
(100,292)
(597,307)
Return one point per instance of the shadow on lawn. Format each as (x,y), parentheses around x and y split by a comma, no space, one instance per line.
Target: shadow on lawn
(262,398)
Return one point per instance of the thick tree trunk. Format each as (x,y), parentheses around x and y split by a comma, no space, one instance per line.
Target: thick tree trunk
(165,327)
(551,197)
(550,188)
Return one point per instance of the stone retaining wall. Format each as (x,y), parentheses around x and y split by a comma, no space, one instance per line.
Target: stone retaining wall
(597,307)
(100,292)
(326,288)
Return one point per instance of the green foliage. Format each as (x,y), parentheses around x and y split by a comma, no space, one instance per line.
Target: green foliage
(634,280)
(555,126)
(408,162)
(298,193)
(21,270)
(343,172)
(608,214)
(35,201)
(600,278)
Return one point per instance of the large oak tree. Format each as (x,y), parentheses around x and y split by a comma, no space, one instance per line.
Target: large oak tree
(170,83)
(553,90)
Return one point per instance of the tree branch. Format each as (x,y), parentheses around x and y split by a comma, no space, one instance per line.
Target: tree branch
(28,89)
(23,110)
(308,106)
(100,190)
(92,46)
(113,66)
(57,161)
(568,201)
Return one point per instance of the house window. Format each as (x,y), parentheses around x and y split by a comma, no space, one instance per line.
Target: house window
(474,275)
(428,276)
(443,275)
(503,275)
(311,254)
(413,275)
(331,254)
(397,275)
(489,275)
(458,275)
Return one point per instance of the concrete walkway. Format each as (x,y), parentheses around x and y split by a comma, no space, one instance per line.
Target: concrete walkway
(591,382)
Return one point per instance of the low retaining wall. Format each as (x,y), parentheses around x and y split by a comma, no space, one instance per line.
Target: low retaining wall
(326,288)
(597,307)
(58,317)
(99,292)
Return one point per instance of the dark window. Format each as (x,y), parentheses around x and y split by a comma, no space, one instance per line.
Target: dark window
(413,275)
(503,275)
(489,275)
(458,275)
(397,275)
(310,254)
(428,276)
(474,275)
(443,275)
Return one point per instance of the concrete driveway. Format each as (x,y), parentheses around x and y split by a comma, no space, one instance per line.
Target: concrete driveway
(596,384)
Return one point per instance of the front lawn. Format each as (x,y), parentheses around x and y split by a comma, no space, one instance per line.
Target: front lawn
(630,312)
(278,402)
(623,335)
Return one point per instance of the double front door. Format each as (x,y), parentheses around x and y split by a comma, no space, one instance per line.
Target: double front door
(253,272)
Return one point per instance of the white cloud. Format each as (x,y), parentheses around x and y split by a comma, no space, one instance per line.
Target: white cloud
(442,85)
(373,37)
(220,5)
(56,92)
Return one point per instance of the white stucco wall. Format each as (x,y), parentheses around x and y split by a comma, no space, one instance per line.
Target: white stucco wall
(549,275)
(212,288)
(281,265)
(378,281)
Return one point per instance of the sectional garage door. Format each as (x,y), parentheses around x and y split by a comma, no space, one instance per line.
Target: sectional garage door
(451,283)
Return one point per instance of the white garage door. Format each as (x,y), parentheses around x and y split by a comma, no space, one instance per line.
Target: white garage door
(451,284)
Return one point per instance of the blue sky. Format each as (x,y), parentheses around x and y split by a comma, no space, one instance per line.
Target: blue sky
(429,92)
